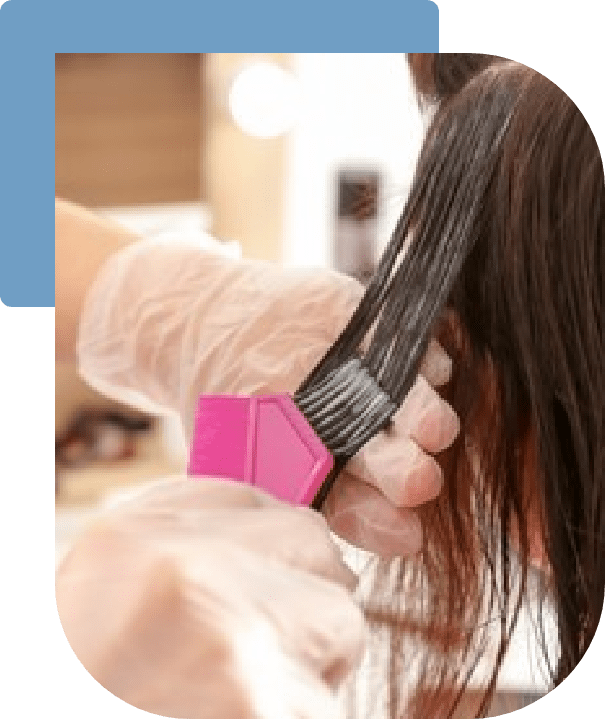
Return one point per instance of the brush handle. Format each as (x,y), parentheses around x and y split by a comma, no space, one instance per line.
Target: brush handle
(263,441)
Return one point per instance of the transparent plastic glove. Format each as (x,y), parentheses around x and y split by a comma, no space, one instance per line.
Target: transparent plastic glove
(206,600)
(163,324)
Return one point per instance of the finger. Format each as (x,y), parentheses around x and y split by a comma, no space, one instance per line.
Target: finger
(322,624)
(316,619)
(302,693)
(426,418)
(405,474)
(361,515)
(436,365)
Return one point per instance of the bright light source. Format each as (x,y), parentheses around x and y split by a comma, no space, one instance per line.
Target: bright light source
(264,100)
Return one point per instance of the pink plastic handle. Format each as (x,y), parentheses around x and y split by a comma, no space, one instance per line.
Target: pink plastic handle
(263,441)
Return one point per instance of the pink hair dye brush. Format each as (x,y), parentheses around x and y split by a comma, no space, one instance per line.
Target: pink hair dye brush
(262,441)
(268,441)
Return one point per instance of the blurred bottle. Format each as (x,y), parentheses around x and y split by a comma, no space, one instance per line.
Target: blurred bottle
(356,231)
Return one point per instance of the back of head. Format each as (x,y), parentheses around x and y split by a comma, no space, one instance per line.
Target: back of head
(438,76)
(510,172)
(531,301)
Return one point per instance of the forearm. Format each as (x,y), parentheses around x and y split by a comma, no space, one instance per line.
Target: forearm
(83,242)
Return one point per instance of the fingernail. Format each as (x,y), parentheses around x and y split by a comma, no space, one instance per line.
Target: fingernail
(443,368)
(438,427)
(437,365)
(450,428)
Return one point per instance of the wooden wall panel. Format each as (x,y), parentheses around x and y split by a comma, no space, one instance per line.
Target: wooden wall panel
(244,176)
(128,128)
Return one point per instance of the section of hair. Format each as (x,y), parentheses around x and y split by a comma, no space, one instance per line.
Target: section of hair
(438,76)
(500,250)
(525,327)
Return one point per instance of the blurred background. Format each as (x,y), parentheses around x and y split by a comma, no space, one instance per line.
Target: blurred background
(297,159)
(301,159)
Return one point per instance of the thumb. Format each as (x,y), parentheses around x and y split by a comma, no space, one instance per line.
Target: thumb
(361,515)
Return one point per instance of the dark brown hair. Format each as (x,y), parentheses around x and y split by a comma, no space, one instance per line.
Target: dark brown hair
(525,325)
(500,249)
(438,76)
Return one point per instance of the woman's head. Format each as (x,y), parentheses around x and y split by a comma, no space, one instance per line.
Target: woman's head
(525,324)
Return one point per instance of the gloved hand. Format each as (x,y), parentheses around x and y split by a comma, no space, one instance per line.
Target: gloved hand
(165,323)
(206,600)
